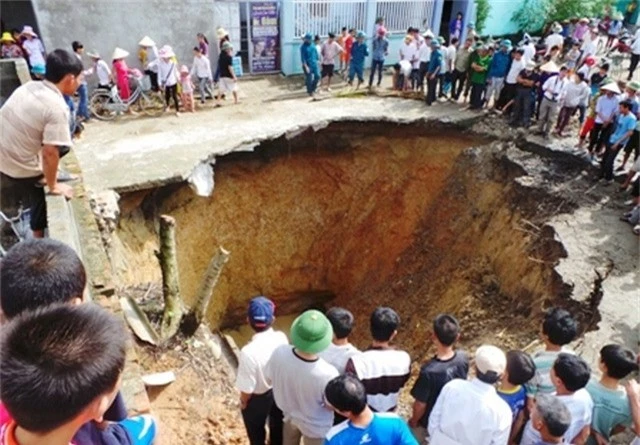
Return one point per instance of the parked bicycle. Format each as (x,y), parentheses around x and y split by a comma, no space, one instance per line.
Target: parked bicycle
(20,229)
(107,105)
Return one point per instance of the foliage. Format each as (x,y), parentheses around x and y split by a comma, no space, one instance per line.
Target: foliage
(532,15)
(483,10)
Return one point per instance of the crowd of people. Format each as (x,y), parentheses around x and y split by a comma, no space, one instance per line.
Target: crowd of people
(321,389)
(549,83)
(62,360)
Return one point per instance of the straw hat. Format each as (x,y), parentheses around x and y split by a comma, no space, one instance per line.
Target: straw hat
(28,31)
(530,65)
(6,37)
(94,54)
(584,20)
(427,34)
(613,87)
(618,16)
(550,67)
(147,42)
(119,53)
(166,52)
(221,33)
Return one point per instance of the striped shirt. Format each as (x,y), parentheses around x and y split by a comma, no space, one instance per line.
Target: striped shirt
(541,381)
(383,372)
(34,115)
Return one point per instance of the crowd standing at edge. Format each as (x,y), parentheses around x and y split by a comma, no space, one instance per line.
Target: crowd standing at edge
(320,389)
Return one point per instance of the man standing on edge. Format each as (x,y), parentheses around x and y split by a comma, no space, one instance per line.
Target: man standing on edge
(460,69)
(380,50)
(256,396)
(35,130)
(309,58)
(330,49)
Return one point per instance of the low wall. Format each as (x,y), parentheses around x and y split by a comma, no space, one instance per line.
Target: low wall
(13,73)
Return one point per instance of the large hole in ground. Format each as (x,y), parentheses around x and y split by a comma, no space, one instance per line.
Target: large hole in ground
(422,218)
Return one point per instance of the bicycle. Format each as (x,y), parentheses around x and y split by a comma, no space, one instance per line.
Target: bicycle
(19,226)
(107,105)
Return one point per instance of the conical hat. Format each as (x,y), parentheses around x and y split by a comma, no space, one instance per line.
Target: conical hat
(119,53)
(550,67)
(613,87)
(94,54)
(146,41)
(221,33)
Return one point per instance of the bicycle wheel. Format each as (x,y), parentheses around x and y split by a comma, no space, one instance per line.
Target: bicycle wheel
(97,106)
(152,104)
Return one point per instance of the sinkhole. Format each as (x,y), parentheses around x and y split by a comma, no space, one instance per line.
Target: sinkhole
(425,218)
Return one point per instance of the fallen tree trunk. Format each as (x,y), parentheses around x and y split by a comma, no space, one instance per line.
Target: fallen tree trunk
(167,256)
(209,280)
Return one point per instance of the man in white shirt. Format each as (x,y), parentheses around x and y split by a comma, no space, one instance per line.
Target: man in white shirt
(606,108)
(508,93)
(551,89)
(448,58)
(471,412)
(529,49)
(554,39)
(409,52)
(340,350)
(635,54)
(424,55)
(201,69)
(256,396)
(329,51)
(299,378)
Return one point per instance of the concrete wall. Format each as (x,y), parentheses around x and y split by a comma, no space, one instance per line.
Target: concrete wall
(13,73)
(499,21)
(103,25)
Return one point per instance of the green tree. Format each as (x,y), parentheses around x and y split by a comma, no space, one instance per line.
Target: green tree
(532,15)
(483,11)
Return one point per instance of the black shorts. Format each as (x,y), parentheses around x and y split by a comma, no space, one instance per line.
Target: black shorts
(327,70)
(634,143)
(26,192)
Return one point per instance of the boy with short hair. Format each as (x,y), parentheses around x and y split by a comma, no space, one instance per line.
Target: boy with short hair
(611,405)
(551,419)
(61,369)
(520,369)
(570,374)
(446,365)
(38,273)
(559,328)
(383,369)
(256,395)
(340,350)
(347,396)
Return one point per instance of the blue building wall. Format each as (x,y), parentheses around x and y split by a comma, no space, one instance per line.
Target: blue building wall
(290,63)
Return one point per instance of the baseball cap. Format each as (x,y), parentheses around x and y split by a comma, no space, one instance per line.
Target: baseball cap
(261,312)
(311,332)
(490,359)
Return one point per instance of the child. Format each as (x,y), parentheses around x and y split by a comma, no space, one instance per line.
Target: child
(42,272)
(101,70)
(446,365)
(558,329)
(520,369)
(551,419)
(611,404)
(228,80)
(186,97)
(69,377)
(570,374)
(359,52)
(345,56)
(383,369)
(340,350)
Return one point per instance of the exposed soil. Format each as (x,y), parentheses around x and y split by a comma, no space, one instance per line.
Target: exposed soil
(415,220)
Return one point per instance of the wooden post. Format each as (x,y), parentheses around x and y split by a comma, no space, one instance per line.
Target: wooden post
(209,280)
(170,283)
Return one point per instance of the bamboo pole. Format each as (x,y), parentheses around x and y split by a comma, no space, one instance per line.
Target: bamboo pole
(209,280)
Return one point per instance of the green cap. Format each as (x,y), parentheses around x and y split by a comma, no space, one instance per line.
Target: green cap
(311,332)
(634,85)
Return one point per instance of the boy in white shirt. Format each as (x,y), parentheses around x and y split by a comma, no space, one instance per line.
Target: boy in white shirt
(340,350)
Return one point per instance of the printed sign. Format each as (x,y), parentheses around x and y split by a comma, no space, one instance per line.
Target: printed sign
(265,37)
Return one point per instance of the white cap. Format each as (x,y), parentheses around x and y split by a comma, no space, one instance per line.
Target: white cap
(490,359)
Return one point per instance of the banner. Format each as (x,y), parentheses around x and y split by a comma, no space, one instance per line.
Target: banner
(265,37)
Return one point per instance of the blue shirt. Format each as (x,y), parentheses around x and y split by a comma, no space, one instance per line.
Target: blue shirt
(499,65)
(624,124)
(435,62)
(380,47)
(384,429)
(610,409)
(516,400)
(309,54)
(359,52)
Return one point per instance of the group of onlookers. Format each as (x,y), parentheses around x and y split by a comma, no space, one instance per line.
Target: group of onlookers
(323,389)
